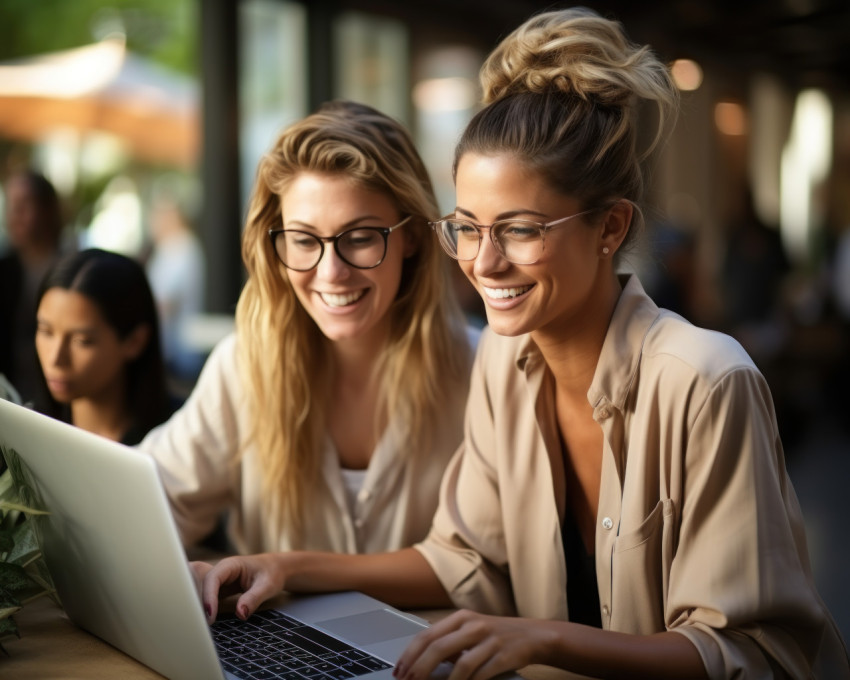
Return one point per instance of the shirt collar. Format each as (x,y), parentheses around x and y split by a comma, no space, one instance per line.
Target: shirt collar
(633,316)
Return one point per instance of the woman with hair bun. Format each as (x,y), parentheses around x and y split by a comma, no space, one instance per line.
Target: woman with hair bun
(621,485)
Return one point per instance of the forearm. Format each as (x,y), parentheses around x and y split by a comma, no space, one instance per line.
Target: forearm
(609,654)
(402,578)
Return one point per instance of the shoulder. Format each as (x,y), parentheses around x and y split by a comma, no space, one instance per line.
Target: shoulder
(706,353)
(222,361)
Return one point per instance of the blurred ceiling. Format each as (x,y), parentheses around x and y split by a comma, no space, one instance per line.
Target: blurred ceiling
(804,42)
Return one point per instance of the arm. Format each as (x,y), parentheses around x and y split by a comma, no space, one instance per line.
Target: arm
(484,646)
(195,449)
(402,578)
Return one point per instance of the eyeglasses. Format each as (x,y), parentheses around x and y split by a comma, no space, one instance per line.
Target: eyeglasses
(518,241)
(361,247)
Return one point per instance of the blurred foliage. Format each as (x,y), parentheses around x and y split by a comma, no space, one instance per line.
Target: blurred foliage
(164,30)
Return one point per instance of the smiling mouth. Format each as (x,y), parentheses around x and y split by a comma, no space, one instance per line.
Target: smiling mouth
(504,293)
(334,300)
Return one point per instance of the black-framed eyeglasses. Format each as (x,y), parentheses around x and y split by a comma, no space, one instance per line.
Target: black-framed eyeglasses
(361,247)
(518,241)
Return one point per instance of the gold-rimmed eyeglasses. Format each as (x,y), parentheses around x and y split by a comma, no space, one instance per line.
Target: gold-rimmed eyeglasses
(518,241)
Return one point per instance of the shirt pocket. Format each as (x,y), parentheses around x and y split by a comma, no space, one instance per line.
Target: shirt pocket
(640,570)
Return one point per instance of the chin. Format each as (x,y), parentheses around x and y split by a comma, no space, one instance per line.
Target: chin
(502,326)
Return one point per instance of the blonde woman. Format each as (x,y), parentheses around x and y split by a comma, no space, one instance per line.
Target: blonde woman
(621,485)
(326,420)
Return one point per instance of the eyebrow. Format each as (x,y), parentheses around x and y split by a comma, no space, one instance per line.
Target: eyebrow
(502,216)
(347,225)
(82,330)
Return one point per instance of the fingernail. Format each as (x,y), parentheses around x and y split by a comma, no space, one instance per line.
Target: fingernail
(208,611)
(242,612)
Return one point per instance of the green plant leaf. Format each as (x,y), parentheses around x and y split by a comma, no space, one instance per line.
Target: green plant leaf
(6,612)
(26,546)
(14,579)
(7,540)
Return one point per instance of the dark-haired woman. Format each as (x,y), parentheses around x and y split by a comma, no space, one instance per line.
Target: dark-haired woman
(97,340)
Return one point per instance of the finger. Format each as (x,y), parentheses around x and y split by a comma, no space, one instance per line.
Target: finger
(225,572)
(423,640)
(478,662)
(468,632)
(199,570)
(262,587)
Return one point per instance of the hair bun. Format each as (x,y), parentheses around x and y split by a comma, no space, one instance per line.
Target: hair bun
(574,51)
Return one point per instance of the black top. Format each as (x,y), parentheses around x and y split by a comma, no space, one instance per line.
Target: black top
(582,588)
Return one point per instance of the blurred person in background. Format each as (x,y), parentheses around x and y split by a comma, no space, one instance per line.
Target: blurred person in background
(34,234)
(176,270)
(326,419)
(97,341)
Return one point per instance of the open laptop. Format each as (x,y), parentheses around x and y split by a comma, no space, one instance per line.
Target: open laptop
(121,572)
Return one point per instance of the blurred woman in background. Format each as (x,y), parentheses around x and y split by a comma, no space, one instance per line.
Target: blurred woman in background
(97,339)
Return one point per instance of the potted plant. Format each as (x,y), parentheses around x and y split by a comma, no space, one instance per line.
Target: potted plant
(23,572)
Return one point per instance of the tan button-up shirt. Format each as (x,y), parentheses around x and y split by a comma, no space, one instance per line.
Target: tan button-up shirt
(698,529)
(197,455)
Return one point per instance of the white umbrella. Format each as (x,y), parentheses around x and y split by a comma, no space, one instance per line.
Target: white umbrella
(102,87)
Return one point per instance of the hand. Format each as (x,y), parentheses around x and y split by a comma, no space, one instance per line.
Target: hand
(256,577)
(480,646)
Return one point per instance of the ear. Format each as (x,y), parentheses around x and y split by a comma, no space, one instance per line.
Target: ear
(616,227)
(136,341)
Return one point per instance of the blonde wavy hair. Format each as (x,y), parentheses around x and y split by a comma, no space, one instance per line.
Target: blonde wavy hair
(283,355)
(563,93)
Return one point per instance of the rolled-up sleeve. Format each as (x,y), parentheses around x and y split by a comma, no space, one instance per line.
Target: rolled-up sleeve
(740,584)
(196,448)
(466,544)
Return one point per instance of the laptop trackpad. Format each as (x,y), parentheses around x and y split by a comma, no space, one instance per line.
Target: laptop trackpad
(371,627)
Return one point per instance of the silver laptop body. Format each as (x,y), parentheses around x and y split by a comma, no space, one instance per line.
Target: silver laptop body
(119,567)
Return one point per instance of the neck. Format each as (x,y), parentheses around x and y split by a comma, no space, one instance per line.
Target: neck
(106,416)
(571,346)
(354,360)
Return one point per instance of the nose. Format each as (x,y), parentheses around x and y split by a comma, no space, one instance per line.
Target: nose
(489,259)
(58,354)
(331,267)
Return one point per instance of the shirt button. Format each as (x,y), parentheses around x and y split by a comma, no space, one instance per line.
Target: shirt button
(358,522)
(364,495)
(606,610)
(604,412)
(608,523)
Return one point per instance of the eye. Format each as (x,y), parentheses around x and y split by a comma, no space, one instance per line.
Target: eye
(519,231)
(462,229)
(361,238)
(300,240)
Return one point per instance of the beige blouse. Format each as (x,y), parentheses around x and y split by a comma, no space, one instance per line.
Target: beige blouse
(196,451)
(698,530)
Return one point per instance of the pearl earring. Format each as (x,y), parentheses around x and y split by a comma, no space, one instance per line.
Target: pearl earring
(605,250)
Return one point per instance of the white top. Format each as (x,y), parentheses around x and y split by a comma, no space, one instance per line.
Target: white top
(197,454)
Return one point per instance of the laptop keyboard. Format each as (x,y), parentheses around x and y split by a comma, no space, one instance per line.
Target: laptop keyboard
(273,645)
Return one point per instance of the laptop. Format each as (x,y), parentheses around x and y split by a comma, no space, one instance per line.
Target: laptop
(121,572)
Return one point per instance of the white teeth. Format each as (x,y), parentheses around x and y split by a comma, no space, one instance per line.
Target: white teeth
(332,300)
(501,293)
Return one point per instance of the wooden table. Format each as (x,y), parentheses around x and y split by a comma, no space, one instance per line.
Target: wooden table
(51,647)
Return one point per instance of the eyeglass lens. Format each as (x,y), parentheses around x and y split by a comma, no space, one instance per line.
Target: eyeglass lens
(363,248)
(518,241)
